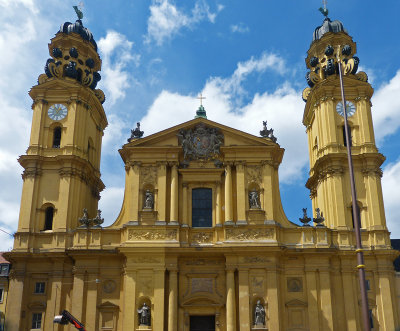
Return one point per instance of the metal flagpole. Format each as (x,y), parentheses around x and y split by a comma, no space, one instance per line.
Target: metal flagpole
(356,213)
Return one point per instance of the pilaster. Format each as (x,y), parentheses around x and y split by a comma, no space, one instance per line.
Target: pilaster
(173,300)
(129,317)
(244,298)
(161,191)
(230,300)
(273,297)
(240,193)
(228,194)
(174,194)
(15,299)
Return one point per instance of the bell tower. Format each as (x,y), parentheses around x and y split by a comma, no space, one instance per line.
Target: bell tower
(328,181)
(62,163)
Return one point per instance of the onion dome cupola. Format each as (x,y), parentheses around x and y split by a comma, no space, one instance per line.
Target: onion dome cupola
(331,43)
(74,56)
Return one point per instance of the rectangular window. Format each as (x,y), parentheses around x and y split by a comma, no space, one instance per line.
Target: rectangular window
(36,320)
(202,208)
(4,270)
(40,287)
(1,294)
(368,285)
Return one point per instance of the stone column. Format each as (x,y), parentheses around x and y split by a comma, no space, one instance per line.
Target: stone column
(312,299)
(55,287)
(159,298)
(350,304)
(161,192)
(228,194)
(14,301)
(387,300)
(273,299)
(78,294)
(134,184)
(268,181)
(185,216)
(92,318)
(244,309)
(174,195)
(240,194)
(129,317)
(230,300)
(132,190)
(326,299)
(173,300)
(218,204)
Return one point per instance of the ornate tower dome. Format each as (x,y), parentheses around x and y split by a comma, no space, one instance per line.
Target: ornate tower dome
(328,26)
(74,55)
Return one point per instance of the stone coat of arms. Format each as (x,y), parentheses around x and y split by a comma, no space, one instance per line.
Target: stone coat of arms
(200,143)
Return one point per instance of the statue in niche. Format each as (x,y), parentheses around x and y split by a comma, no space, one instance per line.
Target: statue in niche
(253,200)
(259,314)
(144,315)
(149,200)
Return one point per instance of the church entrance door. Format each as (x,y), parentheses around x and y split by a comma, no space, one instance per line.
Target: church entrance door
(202,323)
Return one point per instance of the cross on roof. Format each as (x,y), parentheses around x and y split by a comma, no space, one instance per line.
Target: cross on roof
(201,99)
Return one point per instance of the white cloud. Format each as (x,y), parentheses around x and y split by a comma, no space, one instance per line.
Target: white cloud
(240,28)
(116,51)
(386,108)
(114,134)
(391,195)
(21,33)
(166,19)
(283,109)
(111,203)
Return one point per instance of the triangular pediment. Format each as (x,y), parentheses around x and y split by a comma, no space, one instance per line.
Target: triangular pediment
(108,306)
(168,139)
(165,137)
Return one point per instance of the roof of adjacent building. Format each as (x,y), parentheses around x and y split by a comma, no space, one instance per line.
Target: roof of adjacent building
(2,259)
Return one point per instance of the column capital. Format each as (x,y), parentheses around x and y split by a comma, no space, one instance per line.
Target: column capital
(230,268)
(240,163)
(173,164)
(161,163)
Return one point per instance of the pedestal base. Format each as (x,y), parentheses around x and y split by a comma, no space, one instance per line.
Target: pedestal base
(259,328)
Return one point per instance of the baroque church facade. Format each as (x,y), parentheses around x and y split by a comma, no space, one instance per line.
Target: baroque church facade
(202,241)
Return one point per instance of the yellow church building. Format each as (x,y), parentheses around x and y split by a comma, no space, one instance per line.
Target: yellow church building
(202,242)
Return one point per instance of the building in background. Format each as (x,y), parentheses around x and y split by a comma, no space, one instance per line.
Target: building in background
(202,241)
(4,273)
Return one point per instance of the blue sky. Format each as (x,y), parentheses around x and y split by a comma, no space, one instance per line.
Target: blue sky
(246,57)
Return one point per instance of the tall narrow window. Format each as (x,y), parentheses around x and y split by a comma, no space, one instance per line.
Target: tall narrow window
(202,208)
(344,136)
(48,219)
(371,318)
(57,137)
(352,216)
(36,320)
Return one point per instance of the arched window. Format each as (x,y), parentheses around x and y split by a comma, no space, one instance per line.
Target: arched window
(57,137)
(344,136)
(202,208)
(48,219)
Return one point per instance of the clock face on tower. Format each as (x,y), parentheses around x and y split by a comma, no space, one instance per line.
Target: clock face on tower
(57,112)
(350,108)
